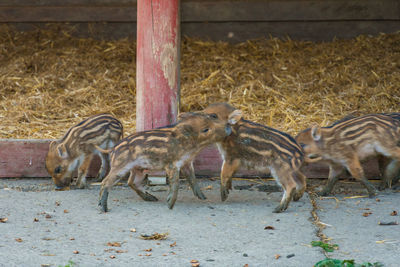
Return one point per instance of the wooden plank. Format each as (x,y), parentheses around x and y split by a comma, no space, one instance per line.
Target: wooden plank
(312,31)
(18,3)
(157,63)
(289,10)
(202,11)
(26,158)
(68,14)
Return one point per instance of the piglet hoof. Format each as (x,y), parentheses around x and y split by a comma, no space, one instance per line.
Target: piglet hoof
(170,202)
(279,209)
(323,193)
(199,194)
(149,197)
(80,186)
(224,193)
(103,202)
(99,178)
(297,196)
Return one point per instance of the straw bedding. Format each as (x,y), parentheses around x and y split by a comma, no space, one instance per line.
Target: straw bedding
(50,80)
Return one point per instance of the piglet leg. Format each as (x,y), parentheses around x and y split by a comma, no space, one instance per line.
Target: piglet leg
(334,172)
(357,172)
(82,172)
(112,178)
(173,174)
(135,182)
(228,169)
(191,178)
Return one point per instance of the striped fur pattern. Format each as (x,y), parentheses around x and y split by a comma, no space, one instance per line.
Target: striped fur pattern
(389,168)
(344,144)
(167,148)
(260,148)
(78,146)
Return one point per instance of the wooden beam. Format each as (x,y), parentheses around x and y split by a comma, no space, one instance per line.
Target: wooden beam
(26,158)
(203,10)
(157,63)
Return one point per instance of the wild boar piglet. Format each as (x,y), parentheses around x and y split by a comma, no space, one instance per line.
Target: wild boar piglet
(78,146)
(344,144)
(262,149)
(167,148)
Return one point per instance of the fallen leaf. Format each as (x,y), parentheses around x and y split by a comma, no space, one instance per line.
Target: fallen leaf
(112,257)
(366,214)
(132,230)
(165,254)
(377,200)
(121,251)
(66,211)
(113,244)
(140,255)
(3,220)
(18,239)
(269,227)
(35,219)
(148,250)
(158,243)
(277,256)
(71,238)
(48,216)
(394,213)
(57,203)
(208,187)
(246,265)
(194,261)
(196,264)
(173,244)
(76,252)
(148,254)
(155,236)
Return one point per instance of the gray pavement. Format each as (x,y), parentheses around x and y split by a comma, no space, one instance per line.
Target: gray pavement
(52,228)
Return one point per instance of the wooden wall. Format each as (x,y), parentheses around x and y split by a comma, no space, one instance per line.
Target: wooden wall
(229,20)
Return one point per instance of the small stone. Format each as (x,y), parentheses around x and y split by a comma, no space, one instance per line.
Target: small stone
(290,256)
(245,255)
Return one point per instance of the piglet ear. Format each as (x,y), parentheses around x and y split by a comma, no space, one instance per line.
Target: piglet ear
(316,132)
(235,116)
(52,144)
(188,131)
(185,115)
(62,151)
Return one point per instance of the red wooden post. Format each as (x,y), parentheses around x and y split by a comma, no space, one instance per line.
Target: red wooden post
(157,63)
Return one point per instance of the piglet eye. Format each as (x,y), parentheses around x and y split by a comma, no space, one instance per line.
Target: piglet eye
(302,145)
(57,170)
(214,116)
(205,130)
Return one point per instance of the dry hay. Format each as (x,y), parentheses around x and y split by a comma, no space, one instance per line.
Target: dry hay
(50,80)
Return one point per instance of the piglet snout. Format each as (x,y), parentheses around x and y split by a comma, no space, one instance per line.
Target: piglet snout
(228,130)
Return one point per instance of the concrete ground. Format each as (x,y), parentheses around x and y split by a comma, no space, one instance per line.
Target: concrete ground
(43,227)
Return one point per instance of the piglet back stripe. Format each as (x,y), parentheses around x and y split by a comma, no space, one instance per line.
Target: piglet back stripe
(92,122)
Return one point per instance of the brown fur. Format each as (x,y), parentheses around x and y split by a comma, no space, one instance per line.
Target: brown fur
(260,148)
(168,149)
(78,146)
(347,142)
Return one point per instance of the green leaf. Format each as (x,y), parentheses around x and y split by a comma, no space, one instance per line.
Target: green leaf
(327,247)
